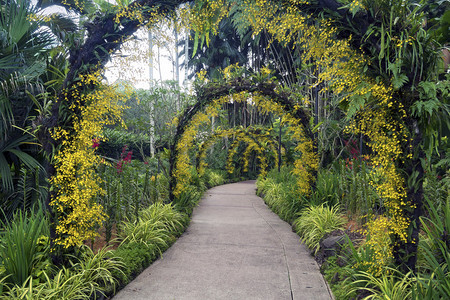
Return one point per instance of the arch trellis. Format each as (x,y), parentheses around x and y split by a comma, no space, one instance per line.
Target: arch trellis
(265,96)
(258,135)
(252,146)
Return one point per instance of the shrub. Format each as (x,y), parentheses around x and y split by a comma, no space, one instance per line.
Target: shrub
(89,276)
(144,239)
(187,199)
(157,225)
(280,193)
(434,277)
(20,247)
(391,285)
(64,285)
(214,178)
(316,221)
(96,269)
(135,257)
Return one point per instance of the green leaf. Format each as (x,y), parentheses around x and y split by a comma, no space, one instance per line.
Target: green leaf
(195,44)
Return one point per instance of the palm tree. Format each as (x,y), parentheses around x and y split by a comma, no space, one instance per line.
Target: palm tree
(224,49)
(28,60)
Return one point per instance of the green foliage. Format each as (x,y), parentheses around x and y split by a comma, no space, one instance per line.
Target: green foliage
(213,178)
(339,275)
(29,190)
(89,276)
(434,276)
(117,137)
(20,252)
(157,225)
(96,269)
(135,257)
(315,222)
(144,239)
(433,112)
(327,188)
(188,199)
(391,285)
(280,193)
(357,194)
(64,285)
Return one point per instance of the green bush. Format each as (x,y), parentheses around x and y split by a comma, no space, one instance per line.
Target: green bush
(433,280)
(21,250)
(89,276)
(145,238)
(214,178)
(157,225)
(135,257)
(280,193)
(340,274)
(316,221)
(392,285)
(188,199)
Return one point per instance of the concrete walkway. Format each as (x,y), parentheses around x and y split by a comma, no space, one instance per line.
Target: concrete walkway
(234,248)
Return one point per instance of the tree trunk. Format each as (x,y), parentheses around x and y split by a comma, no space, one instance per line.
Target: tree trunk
(405,254)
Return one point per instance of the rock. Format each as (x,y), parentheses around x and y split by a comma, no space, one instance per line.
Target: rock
(332,245)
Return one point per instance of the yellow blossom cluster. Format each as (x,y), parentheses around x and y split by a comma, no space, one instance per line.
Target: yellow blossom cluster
(76,184)
(252,146)
(376,113)
(306,163)
(39,18)
(205,16)
(378,245)
(262,140)
(135,13)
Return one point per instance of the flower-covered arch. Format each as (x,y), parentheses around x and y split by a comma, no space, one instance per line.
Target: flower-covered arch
(267,97)
(258,139)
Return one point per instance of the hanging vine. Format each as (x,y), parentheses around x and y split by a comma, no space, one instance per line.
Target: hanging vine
(259,135)
(266,97)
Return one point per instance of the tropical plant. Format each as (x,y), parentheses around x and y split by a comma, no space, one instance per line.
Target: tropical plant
(391,285)
(314,222)
(280,193)
(20,251)
(433,280)
(89,277)
(156,226)
(96,269)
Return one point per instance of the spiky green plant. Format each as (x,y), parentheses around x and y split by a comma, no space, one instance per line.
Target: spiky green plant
(316,221)
(392,285)
(19,245)
(157,225)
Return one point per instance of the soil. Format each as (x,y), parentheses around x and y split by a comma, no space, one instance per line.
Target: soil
(100,241)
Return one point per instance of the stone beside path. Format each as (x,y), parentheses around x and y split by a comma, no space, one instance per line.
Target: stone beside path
(234,248)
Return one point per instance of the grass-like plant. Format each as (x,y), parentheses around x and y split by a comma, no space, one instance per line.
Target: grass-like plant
(89,277)
(316,221)
(214,178)
(96,269)
(157,225)
(392,285)
(280,193)
(64,285)
(19,245)
(434,276)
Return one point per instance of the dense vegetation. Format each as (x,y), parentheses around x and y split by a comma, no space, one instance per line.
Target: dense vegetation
(339,108)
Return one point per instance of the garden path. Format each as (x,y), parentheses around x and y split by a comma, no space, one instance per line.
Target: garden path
(234,248)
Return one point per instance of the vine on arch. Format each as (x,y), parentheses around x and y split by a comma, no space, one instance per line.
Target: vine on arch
(259,136)
(266,97)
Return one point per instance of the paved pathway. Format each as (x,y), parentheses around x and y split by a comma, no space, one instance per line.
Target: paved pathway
(234,248)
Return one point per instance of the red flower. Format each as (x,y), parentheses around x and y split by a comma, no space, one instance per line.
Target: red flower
(124,159)
(95,143)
